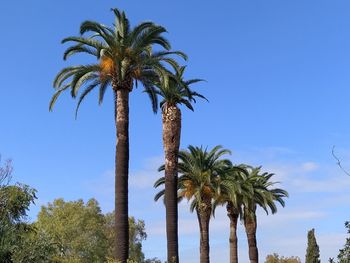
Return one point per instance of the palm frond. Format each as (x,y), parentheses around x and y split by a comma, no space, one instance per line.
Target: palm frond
(83,95)
(56,95)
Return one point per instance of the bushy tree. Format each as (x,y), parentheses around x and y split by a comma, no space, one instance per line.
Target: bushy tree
(275,258)
(15,200)
(136,235)
(83,234)
(35,246)
(344,254)
(77,228)
(312,251)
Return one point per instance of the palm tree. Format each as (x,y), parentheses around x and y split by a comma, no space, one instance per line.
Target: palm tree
(263,196)
(239,187)
(174,92)
(201,180)
(124,58)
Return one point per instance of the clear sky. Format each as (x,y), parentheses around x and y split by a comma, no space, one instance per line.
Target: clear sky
(278,82)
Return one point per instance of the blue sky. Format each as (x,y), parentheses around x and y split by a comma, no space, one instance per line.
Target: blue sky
(278,84)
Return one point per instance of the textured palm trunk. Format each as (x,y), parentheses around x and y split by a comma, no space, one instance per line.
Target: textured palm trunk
(171,117)
(250,225)
(233,216)
(203,215)
(121,174)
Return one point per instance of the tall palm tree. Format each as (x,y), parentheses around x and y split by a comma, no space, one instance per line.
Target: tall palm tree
(263,196)
(124,58)
(239,188)
(201,179)
(174,92)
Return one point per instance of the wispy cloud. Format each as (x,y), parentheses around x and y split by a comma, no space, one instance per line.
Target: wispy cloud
(316,189)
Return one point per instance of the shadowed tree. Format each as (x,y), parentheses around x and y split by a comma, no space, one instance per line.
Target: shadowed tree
(124,57)
(263,196)
(174,92)
(201,180)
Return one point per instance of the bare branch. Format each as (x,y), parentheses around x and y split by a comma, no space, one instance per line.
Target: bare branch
(5,172)
(338,162)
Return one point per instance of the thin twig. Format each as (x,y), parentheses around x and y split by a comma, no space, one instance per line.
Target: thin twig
(338,162)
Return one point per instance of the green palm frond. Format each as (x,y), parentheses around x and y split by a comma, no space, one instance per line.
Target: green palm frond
(80,48)
(102,90)
(204,175)
(93,43)
(123,53)
(263,194)
(87,90)
(56,95)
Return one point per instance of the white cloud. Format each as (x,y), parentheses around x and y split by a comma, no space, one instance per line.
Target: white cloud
(309,166)
(145,177)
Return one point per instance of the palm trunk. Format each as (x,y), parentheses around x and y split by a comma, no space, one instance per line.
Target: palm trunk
(171,141)
(233,232)
(250,225)
(203,219)
(121,174)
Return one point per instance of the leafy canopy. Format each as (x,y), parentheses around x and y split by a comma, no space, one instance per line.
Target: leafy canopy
(15,200)
(312,251)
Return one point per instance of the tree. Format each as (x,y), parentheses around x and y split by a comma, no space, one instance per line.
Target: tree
(77,228)
(137,234)
(263,196)
(344,253)
(275,258)
(238,188)
(174,92)
(80,233)
(201,173)
(312,251)
(125,57)
(35,246)
(15,200)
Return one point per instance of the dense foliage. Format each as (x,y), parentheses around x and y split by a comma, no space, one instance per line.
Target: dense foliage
(344,253)
(275,258)
(15,200)
(84,234)
(65,232)
(312,251)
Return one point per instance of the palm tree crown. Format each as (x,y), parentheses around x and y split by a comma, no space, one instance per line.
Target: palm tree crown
(263,195)
(124,56)
(176,90)
(200,171)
